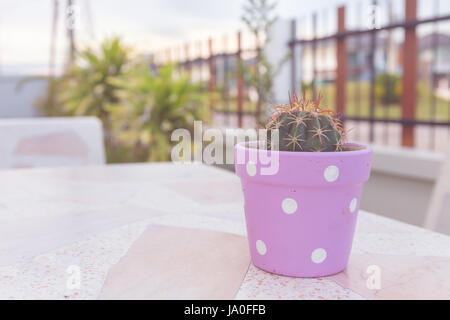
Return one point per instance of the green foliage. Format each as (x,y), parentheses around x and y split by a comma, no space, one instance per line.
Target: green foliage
(87,88)
(259,17)
(388,88)
(152,107)
(303,126)
(138,109)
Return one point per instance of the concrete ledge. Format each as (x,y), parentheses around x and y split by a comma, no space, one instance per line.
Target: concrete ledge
(407,163)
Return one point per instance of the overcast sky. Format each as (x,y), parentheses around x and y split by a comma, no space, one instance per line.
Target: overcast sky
(147,25)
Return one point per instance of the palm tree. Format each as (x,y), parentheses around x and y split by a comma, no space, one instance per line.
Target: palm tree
(153,106)
(51,67)
(88,87)
(70,26)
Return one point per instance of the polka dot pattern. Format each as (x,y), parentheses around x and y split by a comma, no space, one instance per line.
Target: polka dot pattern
(251,168)
(289,206)
(318,255)
(353,205)
(331,173)
(261,247)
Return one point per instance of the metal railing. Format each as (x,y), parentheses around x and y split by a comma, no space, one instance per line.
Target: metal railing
(363,107)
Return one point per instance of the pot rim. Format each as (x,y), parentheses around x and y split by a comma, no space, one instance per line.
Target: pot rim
(243,146)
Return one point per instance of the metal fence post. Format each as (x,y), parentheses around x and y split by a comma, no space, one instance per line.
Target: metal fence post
(293,55)
(239,80)
(341,72)
(409,94)
(373,72)
(187,58)
(212,75)
(168,56)
(314,55)
(226,89)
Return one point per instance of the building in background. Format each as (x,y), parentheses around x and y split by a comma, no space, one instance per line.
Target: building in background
(434,66)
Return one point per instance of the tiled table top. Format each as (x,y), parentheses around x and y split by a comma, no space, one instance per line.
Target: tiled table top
(123,231)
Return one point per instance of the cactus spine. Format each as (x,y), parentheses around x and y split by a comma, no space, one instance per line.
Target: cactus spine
(305,127)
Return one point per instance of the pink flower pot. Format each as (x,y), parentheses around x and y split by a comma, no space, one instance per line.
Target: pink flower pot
(301,220)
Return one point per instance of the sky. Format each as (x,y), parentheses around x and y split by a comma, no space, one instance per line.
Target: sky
(146,25)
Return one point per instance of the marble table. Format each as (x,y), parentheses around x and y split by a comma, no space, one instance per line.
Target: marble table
(177,231)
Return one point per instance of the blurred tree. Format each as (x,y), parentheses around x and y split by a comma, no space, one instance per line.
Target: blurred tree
(152,106)
(388,88)
(87,88)
(259,17)
(139,106)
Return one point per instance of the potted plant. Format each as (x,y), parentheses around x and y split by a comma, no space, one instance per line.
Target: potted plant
(301,217)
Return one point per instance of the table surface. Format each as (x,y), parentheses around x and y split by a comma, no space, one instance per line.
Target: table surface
(91,216)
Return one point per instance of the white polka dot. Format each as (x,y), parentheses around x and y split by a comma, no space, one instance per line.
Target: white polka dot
(289,206)
(319,255)
(331,173)
(353,204)
(251,168)
(261,247)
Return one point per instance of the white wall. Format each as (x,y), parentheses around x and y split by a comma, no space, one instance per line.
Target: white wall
(276,50)
(401,183)
(15,103)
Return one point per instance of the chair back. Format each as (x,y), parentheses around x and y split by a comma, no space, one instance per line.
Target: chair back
(51,142)
(438,215)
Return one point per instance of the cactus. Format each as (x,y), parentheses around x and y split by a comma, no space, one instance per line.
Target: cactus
(305,127)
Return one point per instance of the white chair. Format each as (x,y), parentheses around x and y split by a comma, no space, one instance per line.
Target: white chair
(438,215)
(51,142)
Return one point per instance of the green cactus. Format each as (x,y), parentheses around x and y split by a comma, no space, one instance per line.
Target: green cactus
(305,127)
